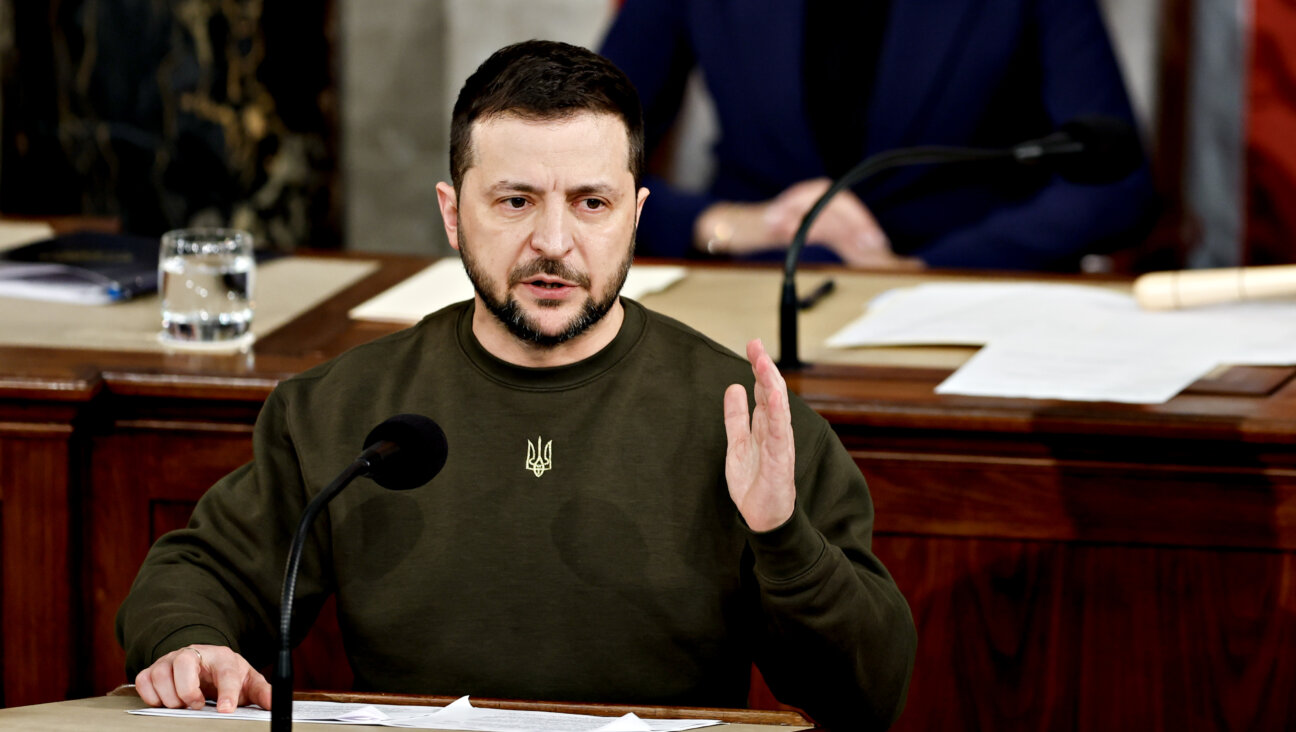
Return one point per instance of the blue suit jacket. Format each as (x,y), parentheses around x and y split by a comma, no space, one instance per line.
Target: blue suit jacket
(950,72)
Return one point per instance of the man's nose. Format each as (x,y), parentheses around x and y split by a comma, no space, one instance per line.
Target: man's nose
(552,236)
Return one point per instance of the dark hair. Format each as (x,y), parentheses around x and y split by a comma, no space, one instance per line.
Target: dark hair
(544,80)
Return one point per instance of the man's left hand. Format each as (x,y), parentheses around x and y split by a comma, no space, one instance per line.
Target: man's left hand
(760,464)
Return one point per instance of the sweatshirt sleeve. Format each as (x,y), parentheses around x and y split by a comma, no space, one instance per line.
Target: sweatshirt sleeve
(836,636)
(218,580)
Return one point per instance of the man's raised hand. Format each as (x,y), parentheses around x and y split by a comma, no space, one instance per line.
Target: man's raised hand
(760,464)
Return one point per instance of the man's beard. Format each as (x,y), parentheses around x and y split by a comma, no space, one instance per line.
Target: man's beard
(522,326)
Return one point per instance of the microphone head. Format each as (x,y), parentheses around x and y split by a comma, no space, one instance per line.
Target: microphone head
(405,451)
(1109,150)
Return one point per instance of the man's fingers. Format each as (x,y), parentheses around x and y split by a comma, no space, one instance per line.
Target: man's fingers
(187,671)
(736,418)
(162,676)
(178,678)
(758,357)
(773,415)
(257,690)
(755,349)
(763,368)
(229,676)
(144,687)
(771,395)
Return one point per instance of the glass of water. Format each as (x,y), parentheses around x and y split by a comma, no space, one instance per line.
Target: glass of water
(206,279)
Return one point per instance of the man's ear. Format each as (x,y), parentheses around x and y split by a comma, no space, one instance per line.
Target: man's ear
(641,195)
(449,205)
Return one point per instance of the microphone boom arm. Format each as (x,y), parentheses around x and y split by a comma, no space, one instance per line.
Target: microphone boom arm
(281,684)
(404,452)
(788,359)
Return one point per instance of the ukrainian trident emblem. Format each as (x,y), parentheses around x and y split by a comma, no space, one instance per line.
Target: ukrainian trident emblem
(539,457)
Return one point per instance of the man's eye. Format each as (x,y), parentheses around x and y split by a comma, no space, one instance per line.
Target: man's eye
(593,204)
(515,202)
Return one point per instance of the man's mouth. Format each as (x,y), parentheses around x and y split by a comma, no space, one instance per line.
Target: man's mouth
(549,284)
(548,279)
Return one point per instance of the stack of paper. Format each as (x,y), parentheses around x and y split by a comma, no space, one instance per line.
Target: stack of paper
(1074,342)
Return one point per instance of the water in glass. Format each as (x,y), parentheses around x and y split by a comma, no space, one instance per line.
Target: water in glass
(206,290)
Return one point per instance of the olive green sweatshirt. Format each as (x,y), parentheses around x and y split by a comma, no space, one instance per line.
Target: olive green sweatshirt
(579,544)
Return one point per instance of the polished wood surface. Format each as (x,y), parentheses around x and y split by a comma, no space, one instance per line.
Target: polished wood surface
(1069,565)
(780,718)
(106,713)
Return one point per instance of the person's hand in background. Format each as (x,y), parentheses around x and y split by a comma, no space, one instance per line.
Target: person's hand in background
(845,226)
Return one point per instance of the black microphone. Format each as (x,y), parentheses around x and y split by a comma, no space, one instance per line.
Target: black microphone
(1088,150)
(405,451)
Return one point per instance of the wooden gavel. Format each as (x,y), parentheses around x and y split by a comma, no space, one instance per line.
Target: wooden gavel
(1191,288)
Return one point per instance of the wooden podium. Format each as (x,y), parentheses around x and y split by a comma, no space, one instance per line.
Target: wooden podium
(1068,564)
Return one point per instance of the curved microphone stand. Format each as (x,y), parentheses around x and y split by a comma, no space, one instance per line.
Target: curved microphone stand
(281,685)
(788,359)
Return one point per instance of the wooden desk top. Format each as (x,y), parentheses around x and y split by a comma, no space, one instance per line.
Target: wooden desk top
(865,387)
(859,386)
(108,713)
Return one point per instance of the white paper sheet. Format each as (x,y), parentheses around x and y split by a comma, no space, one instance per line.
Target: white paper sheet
(303,711)
(1119,358)
(1258,333)
(445,283)
(461,715)
(1074,342)
(43,281)
(458,715)
(967,313)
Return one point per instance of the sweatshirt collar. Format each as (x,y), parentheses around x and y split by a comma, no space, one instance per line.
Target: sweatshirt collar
(555,377)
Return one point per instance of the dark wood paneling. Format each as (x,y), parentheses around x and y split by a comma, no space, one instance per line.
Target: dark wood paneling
(39,603)
(147,480)
(1227,630)
(962,495)
(3,657)
(145,483)
(1062,636)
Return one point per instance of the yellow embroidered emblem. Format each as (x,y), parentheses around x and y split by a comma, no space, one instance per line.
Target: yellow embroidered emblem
(539,457)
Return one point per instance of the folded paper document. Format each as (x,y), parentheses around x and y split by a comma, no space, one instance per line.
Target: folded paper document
(1056,341)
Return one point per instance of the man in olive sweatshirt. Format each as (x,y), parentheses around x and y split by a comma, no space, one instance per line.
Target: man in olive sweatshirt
(617,521)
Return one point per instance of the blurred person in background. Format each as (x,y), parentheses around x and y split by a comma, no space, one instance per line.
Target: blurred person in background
(804,90)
